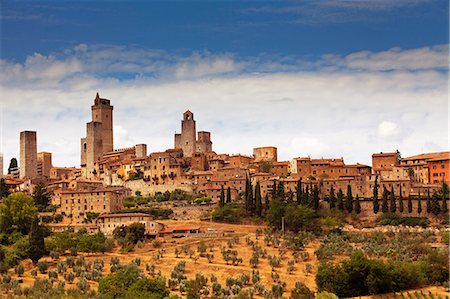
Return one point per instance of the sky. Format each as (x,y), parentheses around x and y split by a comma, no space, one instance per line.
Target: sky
(322,78)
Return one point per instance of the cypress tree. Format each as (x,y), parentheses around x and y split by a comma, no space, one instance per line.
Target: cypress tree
(290,197)
(357,205)
(428,206)
(376,204)
(435,206)
(419,204)
(392,203)
(410,206)
(444,198)
(349,199)
(340,200)
(298,191)
(274,189)
(258,203)
(400,199)
(246,192)
(228,195)
(281,194)
(36,248)
(316,198)
(250,199)
(384,204)
(222,197)
(305,200)
(4,190)
(41,196)
(332,198)
(266,202)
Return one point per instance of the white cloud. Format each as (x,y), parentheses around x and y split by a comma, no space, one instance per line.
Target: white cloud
(388,129)
(394,59)
(316,112)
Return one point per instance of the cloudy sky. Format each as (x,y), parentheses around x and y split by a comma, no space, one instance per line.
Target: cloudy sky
(341,78)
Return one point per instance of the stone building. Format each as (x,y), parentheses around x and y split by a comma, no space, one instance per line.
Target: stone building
(141,150)
(265,153)
(44,164)
(77,203)
(187,139)
(108,222)
(1,165)
(28,155)
(385,161)
(99,135)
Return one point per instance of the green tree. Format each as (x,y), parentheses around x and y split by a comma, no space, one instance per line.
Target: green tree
(4,190)
(280,193)
(274,189)
(130,282)
(249,199)
(41,196)
(428,204)
(340,200)
(419,204)
(400,200)
(332,198)
(222,197)
(258,201)
(316,198)
(376,204)
(435,206)
(349,199)
(392,203)
(410,206)
(36,249)
(385,205)
(300,218)
(357,205)
(17,212)
(301,291)
(298,191)
(444,194)
(265,166)
(266,202)
(228,200)
(275,213)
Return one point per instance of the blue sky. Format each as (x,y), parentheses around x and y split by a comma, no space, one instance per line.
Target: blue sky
(306,76)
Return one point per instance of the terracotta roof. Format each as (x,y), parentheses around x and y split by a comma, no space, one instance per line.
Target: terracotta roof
(427,156)
(384,154)
(125,215)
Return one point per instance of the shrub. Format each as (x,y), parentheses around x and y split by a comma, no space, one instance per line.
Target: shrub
(230,213)
(301,291)
(42,266)
(361,276)
(130,282)
(396,220)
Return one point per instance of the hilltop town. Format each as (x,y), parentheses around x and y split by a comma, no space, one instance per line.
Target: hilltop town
(192,165)
(280,226)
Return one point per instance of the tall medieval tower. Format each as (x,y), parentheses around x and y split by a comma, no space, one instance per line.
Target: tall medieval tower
(99,135)
(186,140)
(28,155)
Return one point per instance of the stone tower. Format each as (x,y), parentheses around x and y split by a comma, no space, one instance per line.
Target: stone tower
(102,113)
(204,143)
(188,132)
(28,155)
(99,135)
